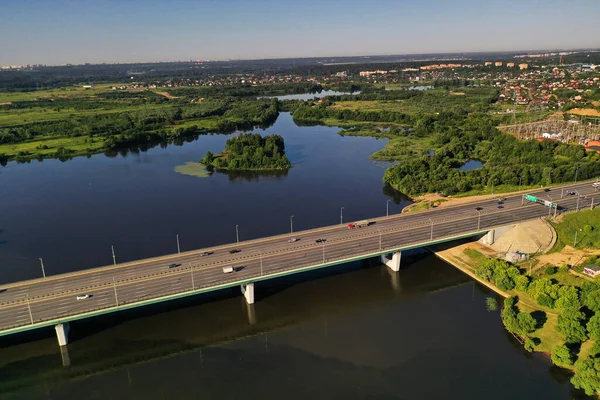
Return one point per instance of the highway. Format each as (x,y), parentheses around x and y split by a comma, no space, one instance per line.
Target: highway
(29,303)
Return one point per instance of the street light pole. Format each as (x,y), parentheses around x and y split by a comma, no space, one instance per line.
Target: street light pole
(323,252)
(577,207)
(237,233)
(178,248)
(342,216)
(44,272)
(192,273)
(292,224)
(112,248)
(261,265)
(115,288)
(387,208)
(478,219)
(379,238)
(29,308)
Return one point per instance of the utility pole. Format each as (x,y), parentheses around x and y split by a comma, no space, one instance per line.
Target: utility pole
(237,233)
(44,272)
(341,215)
(112,248)
(115,288)
(192,274)
(178,248)
(292,224)
(387,208)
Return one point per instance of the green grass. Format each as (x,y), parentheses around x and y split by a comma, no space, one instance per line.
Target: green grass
(497,190)
(32,115)
(80,144)
(476,256)
(573,223)
(69,91)
(206,123)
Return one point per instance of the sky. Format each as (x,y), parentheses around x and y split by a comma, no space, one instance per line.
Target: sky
(80,31)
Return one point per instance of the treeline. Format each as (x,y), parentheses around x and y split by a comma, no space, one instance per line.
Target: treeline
(246,90)
(507,161)
(248,152)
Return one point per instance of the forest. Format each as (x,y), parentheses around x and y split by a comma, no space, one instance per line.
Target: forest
(250,152)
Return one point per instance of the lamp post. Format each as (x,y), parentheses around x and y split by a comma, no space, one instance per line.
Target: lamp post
(478,219)
(115,288)
(577,206)
(292,224)
(379,238)
(576,171)
(341,215)
(192,274)
(237,233)
(178,248)
(42,264)
(323,252)
(112,248)
(29,308)
(261,264)
(387,208)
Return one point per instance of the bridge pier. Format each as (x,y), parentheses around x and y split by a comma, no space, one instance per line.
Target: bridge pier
(62,333)
(392,263)
(251,314)
(248,292)
(64,354)
(490,238)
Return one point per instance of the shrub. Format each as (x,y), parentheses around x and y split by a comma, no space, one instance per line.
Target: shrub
(550,270)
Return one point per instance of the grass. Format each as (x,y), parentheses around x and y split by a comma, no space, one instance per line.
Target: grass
(193,169)
(497,190)
(205,123)
(426,205)
(46,146)
(69,91)
(476,256)
(575,223)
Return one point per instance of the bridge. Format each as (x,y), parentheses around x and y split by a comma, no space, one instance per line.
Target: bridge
(52,301)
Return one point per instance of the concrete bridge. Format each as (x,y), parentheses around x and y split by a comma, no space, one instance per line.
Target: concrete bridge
(52,301)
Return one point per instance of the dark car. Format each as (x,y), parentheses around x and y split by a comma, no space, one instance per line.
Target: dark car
(500,206)
(320,240)
(500,202)
(233,251)
(546,190)
(478,208)
(174,265)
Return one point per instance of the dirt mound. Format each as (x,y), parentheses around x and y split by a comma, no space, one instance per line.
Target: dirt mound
(528,237)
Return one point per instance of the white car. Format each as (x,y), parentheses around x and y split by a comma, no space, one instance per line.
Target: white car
(292,240)
(83,296)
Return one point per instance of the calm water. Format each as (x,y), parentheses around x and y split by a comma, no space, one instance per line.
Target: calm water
(70,213)
(310,96)
(350,332)
(358,335)
(471,164)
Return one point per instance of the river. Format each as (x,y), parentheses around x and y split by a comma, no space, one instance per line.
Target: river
(354,331)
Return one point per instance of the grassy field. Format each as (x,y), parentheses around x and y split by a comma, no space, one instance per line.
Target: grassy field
(47,146)
(587,226)
(69,91)
(500,189)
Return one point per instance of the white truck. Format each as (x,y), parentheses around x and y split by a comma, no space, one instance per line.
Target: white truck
(359,224)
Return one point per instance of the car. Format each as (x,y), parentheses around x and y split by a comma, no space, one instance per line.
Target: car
(500,202)
(500,206)
(206,253)
(546,190)
(233,251)
(478,208)
(83,296)
(174,265)
(502,199)
(292,240)
(571,193)
(320,240)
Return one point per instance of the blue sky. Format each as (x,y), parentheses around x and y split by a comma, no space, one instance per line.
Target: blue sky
(77,31)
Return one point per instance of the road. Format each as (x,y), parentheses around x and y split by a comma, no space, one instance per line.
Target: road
(28,302)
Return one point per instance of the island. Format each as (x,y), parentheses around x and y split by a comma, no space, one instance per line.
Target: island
(250,152)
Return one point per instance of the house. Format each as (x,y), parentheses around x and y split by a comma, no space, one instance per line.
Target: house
(591,270)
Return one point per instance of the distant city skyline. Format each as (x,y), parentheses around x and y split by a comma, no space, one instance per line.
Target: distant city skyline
(112,31)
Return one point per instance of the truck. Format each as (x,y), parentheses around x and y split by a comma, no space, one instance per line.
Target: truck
(358,224)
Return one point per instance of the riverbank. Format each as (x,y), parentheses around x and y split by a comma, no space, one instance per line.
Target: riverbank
(552,307)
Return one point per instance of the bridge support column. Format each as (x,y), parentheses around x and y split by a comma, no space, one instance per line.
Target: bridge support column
(248,292)
(392,263)
(62,333)
(251,314)
(64,354)
(490,237)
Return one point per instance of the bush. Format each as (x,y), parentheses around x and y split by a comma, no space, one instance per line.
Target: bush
(545,300)
(588,229)
(491,304)
(521,283)
(550,270)
(561,356)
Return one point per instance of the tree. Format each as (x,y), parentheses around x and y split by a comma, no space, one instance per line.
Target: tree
(587,375)
(593,327)
(569,324)
(592,300)
(526,323)
(568,297)
(521,283)
(491,304)
(561,356)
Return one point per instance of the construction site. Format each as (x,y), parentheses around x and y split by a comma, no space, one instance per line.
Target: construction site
(561,127)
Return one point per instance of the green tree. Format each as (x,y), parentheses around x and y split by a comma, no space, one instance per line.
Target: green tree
(561,356)
(587,375)
(593,327)
(521,283)
(491,304)
(592,300)
(570,325)
(568,297)
(526,323)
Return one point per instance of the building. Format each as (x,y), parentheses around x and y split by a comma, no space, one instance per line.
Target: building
(591,270)
(510,65)
(524,66)
(498,63)
(488,63)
